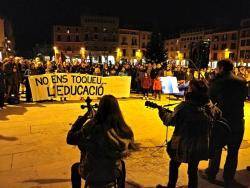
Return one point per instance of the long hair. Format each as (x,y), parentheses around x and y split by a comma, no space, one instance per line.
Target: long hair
(110,116)
(199,92)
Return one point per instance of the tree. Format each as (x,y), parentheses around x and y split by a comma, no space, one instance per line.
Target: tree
(155,50)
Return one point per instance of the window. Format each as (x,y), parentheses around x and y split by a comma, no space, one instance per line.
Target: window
(248,42)
(224,37)
(247,54)
(216,38)
(215,56)
(77,38)
(143,36)
(124,52)
(234,36)
(69,48)
(134,51)
(77,29)
(124,41)
(86,37)
(243,34)
(242,54)
(233,46)
(243,42)
(143,45)
(134,41)
(215,47)
(58,28)
(95,36)
(223,46)
(95,29)
(231,55)
(58,38)
(68,38)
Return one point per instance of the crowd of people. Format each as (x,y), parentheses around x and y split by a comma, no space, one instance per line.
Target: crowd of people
(14,73)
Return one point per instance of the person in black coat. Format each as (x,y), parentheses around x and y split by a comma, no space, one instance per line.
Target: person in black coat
(190,140)
(2,86)
(229,93)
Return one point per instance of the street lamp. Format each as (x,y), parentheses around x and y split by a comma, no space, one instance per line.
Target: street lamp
(227,53)
(83,52)
(118,54)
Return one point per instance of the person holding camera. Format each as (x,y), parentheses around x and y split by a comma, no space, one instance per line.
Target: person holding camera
(104,139)
(190,141)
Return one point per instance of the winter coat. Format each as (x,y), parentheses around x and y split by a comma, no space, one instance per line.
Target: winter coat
(229,92)
(146,83)
(2,82)
(190,140)
(101,151)
(157,85)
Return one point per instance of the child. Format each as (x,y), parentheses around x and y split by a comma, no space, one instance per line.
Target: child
(157,87)
(146,83)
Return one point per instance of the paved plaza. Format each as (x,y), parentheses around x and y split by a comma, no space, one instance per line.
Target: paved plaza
(34,153)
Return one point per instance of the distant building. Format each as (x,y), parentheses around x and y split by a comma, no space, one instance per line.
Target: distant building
(1,36)
(6,38)
(100,35)
(99,39)
(133,44)
(68,39)
(228,43)
(224,45)
(244,41)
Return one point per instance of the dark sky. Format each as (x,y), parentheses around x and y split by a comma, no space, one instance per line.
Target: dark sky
(33,19)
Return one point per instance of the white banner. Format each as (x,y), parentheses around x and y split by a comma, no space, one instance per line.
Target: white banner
(77,86)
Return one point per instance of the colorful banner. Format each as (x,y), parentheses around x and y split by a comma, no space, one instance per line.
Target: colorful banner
(77,86)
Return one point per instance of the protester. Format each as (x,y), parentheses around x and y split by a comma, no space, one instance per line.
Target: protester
(104,141)
(157,87)
(146,84)
(229,93)
(2,86)
(189,143)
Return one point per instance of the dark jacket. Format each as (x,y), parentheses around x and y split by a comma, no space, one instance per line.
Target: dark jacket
(190,140)
(2,82)
(229,92)
(101,151)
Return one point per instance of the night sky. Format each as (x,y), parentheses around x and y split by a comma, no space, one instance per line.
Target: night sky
(33,19)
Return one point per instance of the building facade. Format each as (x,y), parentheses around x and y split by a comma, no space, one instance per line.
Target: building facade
(133,44)
(224,45)
(244,41)
(231,44)
(101,40)
(100,35)
(67,39)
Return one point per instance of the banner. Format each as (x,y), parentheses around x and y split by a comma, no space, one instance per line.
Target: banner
(77,86)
